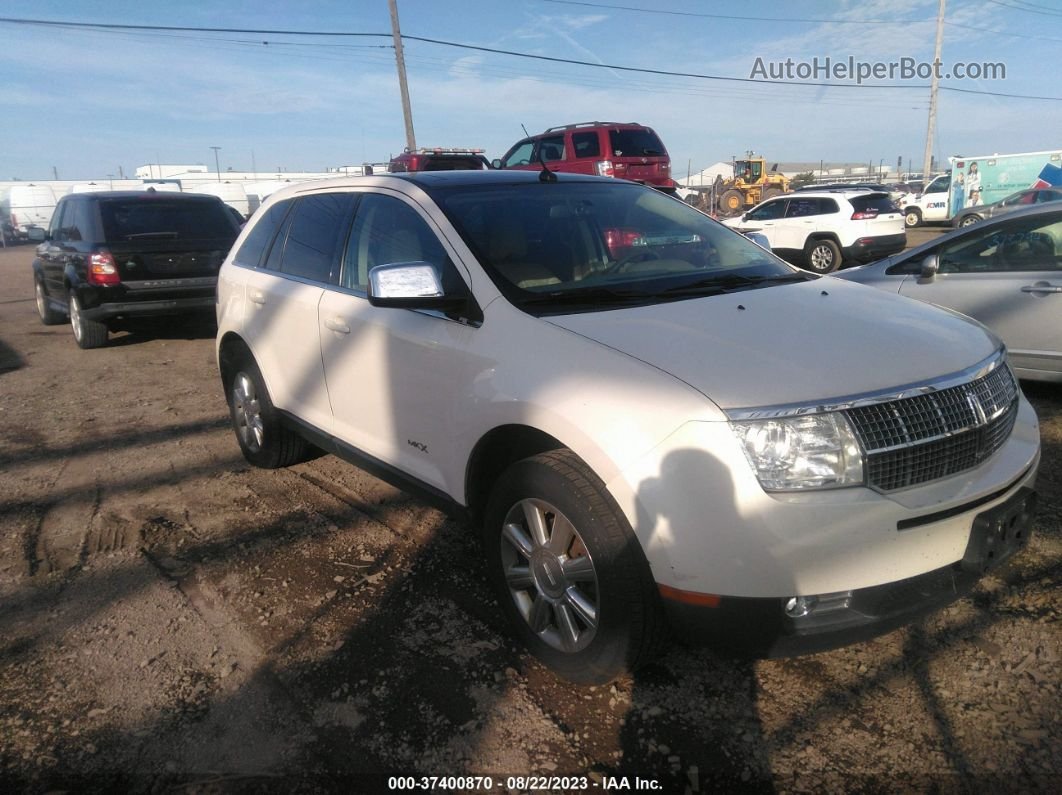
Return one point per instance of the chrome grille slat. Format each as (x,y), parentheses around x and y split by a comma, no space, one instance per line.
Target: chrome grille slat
(930,436)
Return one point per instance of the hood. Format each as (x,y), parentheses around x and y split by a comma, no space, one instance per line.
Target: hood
(794,343)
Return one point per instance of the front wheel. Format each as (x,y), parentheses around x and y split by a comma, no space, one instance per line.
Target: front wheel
(569,571)
(912,218)
(823,256)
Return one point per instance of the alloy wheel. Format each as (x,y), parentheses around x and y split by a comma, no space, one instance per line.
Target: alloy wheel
(550,575)
(247,412)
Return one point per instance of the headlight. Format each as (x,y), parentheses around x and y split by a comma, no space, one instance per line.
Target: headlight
(810,452)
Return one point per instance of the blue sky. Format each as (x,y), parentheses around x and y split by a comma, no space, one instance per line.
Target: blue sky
(89,102)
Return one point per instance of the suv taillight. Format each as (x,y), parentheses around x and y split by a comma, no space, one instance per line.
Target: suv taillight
(102,270)
(621,241)
(605,168)
(864,215)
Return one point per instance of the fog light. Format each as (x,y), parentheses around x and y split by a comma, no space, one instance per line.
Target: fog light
(799,606)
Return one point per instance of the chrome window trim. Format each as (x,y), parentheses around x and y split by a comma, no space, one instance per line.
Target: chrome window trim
(979,370)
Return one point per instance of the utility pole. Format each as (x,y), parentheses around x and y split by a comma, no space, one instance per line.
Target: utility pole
(400,58)
(216,166)
(927,161)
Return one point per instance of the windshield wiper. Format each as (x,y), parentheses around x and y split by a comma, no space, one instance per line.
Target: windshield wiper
(587,295)
(729,282)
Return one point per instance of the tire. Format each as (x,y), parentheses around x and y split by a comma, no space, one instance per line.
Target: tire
(970,220)
(731,202)
(581,597)
(87,333)
(262,437)
(49,316)
(912,218)
(770,193)
(822,256)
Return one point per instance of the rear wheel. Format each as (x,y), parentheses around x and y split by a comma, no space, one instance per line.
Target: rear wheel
(770,193)
(49,316)
(970,220)
(568,570)
(823,256)
(87,333)
(263,439)
(912,218)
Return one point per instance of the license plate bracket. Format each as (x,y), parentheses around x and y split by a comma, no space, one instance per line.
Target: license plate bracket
(1000,532)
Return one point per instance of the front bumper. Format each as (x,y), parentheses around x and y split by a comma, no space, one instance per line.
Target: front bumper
(782,627)
(868,249)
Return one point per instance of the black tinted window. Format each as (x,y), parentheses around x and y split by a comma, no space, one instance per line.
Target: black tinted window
(586,144)
(551,148)
(317,231)
(799,208)
(635,143)
(883,204)
(151,217)
(261,234)
(768,211)
(387,230)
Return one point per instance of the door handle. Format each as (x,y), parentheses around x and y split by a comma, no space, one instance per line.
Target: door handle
(337,324)
(257,297)
(1041,289)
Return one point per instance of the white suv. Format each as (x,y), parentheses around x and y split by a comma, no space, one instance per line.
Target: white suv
(634,405)
(822,229)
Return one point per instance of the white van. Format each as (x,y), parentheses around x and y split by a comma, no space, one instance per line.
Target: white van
(31,207)
(232,193)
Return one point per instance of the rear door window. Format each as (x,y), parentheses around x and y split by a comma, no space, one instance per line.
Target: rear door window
(318,228)
(635,143)
(801,208)
(586,144)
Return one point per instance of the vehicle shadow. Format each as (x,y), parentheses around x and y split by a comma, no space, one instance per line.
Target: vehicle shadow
(9,358)
(177,327)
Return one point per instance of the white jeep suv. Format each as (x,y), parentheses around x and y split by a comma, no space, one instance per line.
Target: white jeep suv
(633,404)
(820,230)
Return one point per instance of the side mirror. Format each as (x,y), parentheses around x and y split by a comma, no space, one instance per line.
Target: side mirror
(411,285)
(496,163)
(36,234)
(930,266)
(759,239)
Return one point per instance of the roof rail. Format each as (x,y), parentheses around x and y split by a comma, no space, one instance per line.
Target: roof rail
(589,124)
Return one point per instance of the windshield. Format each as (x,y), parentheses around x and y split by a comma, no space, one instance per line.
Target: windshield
(584,246)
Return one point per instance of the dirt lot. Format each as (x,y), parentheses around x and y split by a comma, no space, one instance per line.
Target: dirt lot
(171,619)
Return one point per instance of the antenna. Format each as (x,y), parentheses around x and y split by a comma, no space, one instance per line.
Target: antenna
(526,133)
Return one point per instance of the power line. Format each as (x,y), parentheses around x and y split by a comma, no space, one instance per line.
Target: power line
(517,54)
(1034,10)
(1000,32)
(665,12)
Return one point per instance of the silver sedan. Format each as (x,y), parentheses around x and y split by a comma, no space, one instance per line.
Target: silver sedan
(1005,272)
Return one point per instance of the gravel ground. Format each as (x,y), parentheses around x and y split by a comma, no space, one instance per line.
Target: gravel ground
(174,620)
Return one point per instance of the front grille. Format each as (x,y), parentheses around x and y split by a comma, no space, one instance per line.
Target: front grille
(936,434)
